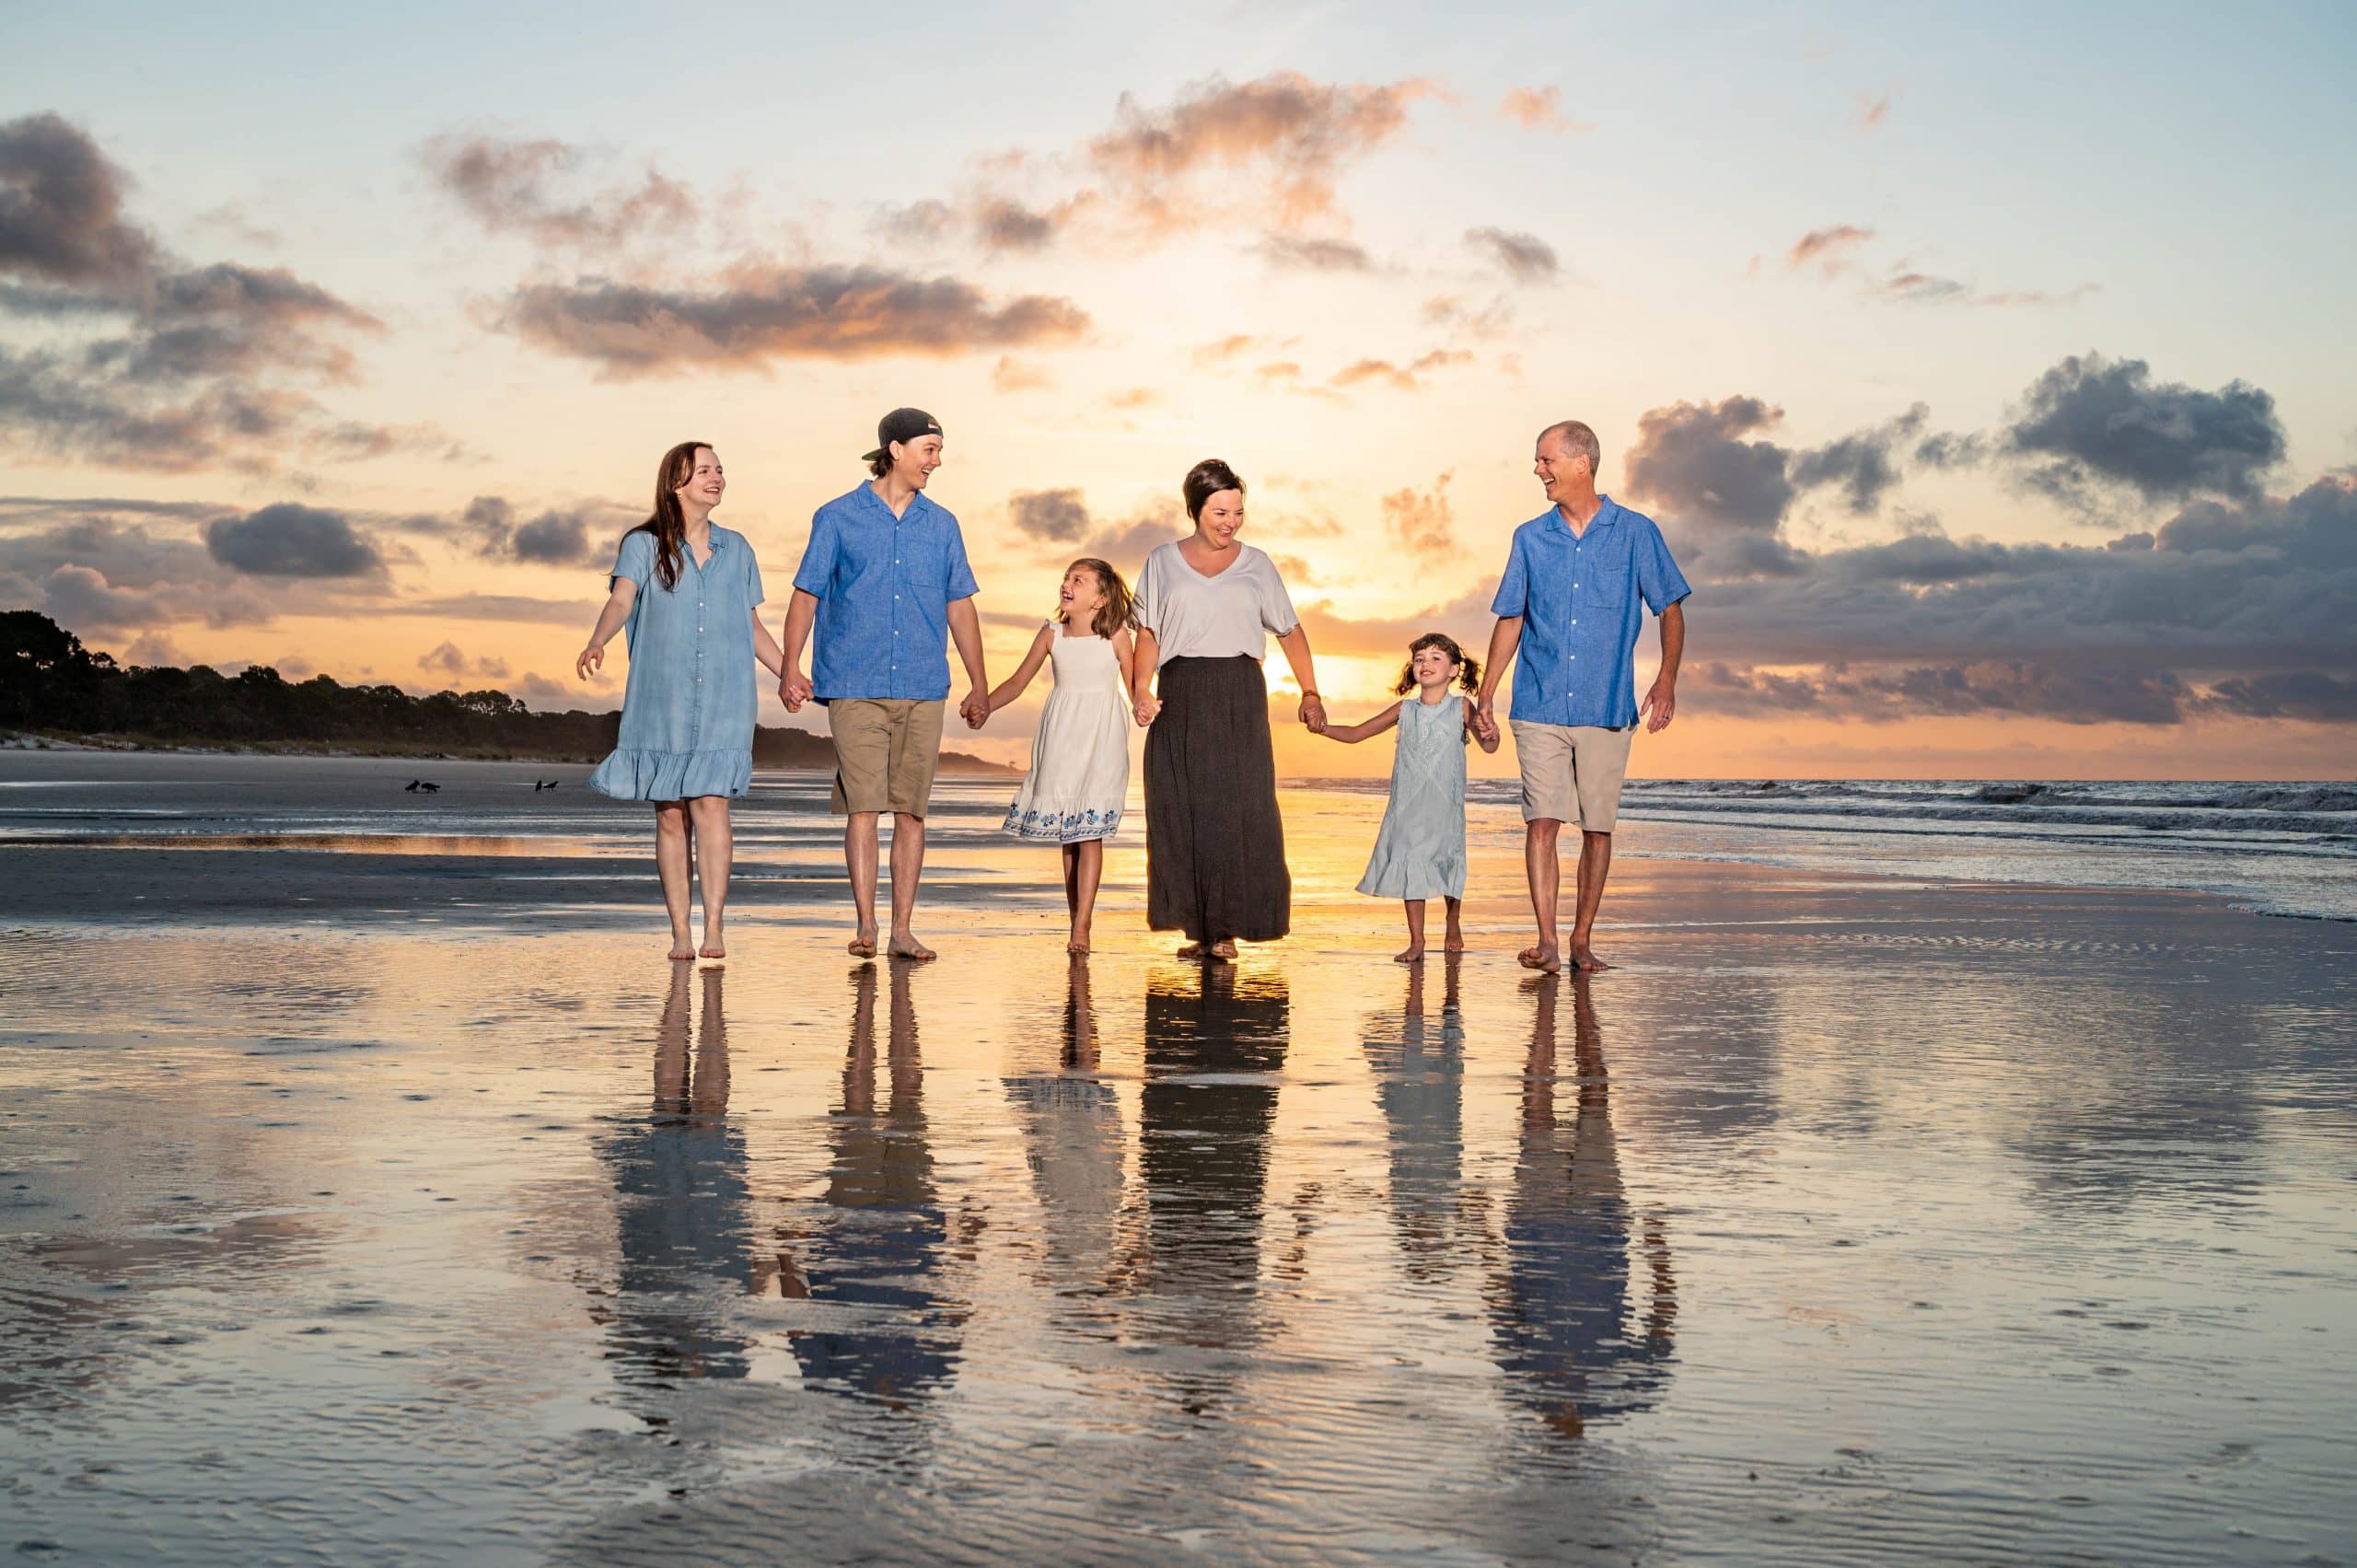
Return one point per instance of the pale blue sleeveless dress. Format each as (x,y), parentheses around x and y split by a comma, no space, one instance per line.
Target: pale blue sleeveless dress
(1419,854)
(687,726)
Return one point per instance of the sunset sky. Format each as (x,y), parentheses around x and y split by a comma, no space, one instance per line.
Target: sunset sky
(1988,369)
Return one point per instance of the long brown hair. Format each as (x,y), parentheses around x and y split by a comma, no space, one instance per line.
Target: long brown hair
(1114,614)
(667,523)
(1469,675)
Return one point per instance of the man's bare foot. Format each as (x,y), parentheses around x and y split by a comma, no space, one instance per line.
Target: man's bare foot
(711,950)
(904,945)
(1585,959)
(1543,959)
(1414,953)
(863,945)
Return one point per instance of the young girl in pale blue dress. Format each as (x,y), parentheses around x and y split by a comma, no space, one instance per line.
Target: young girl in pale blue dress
(1420,853)
(689,592)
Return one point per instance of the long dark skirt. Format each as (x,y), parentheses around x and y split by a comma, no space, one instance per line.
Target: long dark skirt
(1214,844)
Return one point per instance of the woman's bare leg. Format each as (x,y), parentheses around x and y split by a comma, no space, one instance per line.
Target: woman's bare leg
(1415,948)
(715,851)
(671,866)
(1455,942)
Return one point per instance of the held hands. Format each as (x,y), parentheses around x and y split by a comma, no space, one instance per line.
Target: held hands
(1485,723)
(1144,707)
(975,710)
(592,660)
(1659,707)
(1313,713)
(794,691)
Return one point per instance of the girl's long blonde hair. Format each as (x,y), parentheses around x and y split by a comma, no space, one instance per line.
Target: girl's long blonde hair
(1114,614)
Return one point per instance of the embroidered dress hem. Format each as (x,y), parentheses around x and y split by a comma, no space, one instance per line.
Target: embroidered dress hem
(1052,827)
(632,774)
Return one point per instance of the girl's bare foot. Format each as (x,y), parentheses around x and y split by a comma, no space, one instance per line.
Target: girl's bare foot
(904,945)
(863,945)
(1542,958)
(1414,955)
(1585,959)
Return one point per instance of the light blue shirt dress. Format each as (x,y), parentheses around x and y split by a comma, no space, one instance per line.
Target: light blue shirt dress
(688,709)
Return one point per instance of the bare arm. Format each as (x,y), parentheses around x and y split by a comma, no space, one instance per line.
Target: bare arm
(1295,643)
(1014,685)
(609,621)
(966,631)
(765,647)
(801,615)
(1142,701)
(1352,733)
(1124,655)
(1504,638)
(1661,704)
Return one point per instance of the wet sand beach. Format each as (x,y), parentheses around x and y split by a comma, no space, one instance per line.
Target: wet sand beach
(408,1204)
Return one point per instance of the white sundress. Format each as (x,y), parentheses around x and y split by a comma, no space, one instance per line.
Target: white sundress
(1080,762)
(1419,850)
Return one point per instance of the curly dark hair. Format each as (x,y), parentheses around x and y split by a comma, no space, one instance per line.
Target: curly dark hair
(1469,667)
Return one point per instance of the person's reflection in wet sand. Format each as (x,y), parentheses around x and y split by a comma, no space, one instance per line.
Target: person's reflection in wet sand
(682,1218)
(1072,1139)
(1561,1308)
(1214,1043)
(1421,1069)
(893,1336)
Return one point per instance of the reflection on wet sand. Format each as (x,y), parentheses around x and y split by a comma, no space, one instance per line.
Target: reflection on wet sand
(1072,1142)
(1561,1308)
(683,1203)
(877,1255)
(1421,1089)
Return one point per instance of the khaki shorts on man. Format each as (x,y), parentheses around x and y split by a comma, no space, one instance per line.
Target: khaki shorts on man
(1572,772)
(885,752)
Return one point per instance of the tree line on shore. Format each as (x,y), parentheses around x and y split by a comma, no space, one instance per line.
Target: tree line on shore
(50,683)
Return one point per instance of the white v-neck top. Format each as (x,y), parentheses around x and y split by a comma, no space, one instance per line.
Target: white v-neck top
(1192,616)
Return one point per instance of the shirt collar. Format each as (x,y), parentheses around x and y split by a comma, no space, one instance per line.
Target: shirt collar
(917,504)
(1608,512)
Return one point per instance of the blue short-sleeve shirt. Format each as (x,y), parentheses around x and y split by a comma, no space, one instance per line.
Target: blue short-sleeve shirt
(1583,599)
(884,587)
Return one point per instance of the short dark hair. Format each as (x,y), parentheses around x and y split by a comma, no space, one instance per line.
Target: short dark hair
(1578,440)
(1206,480)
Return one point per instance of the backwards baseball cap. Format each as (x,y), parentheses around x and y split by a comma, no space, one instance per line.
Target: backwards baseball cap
(901,425)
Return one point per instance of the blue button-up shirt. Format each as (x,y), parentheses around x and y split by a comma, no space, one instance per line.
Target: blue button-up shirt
(1582,599)
(884,587)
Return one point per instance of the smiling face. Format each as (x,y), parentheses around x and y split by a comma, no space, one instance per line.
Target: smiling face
(1560,469)
(1081,596)
(1221,520)
(914,461)
(1432,667)
(705,484)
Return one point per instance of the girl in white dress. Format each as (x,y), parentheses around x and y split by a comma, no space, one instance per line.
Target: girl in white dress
(1080,760)
(1419,850)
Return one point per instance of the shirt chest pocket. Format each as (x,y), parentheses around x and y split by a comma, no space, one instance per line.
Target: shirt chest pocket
(1600,585)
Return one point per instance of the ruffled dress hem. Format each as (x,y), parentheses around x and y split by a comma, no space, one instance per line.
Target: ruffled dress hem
(632,774)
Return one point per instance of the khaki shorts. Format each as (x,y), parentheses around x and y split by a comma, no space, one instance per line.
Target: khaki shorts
(1572,772)
(885,752)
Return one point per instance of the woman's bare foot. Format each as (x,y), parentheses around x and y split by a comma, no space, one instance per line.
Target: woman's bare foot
(1456,943)
(1585,959)
(863,945)
(904,945)
(1221,951)
(683,951)
(1078,946)
(711,950)
(1414,955)
(1543,959)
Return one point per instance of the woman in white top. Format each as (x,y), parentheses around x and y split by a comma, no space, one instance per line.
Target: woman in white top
(1215,844)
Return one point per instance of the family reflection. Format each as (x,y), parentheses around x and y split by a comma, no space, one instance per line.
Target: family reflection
(683,1204)
(877,1253)
(1420,1068)
(1073,1142)
(1568,1336)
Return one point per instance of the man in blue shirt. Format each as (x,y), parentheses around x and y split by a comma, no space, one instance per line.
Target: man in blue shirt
(885,583)
(1577,584)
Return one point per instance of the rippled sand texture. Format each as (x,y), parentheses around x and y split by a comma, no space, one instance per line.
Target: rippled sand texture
(1851,1221)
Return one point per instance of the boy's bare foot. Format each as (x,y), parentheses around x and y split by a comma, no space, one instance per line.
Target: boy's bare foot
(1414,955)
(863,945)
(904,945)
(1585,961)
(1543,959)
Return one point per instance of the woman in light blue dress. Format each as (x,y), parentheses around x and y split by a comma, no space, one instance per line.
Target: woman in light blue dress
(688,594)
(1419,852)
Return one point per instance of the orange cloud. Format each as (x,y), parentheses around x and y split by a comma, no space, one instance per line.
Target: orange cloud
(1538,108)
